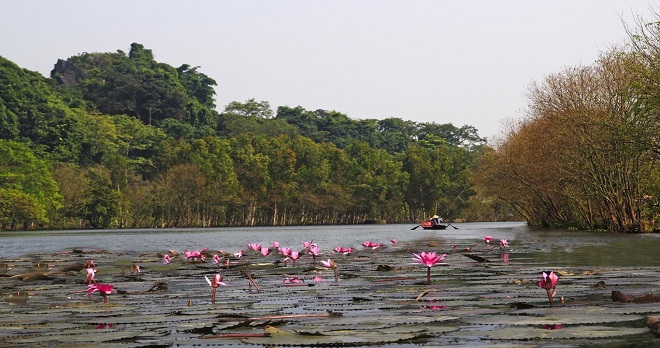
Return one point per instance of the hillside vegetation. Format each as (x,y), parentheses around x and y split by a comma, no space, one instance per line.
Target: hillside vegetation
(121,140)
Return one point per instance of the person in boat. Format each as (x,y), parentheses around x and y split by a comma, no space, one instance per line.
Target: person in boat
(436,220)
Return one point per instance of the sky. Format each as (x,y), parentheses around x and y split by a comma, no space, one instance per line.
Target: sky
(464,62)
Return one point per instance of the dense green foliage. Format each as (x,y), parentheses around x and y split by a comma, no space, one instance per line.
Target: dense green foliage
(120,140)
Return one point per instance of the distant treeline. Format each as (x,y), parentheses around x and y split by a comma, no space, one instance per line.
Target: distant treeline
(121,140)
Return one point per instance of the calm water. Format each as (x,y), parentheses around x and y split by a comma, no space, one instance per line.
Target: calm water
(561,247)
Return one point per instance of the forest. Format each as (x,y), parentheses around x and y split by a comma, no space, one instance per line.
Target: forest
(119,140)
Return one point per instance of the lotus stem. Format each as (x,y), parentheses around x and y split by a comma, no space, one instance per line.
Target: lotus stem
(428,275)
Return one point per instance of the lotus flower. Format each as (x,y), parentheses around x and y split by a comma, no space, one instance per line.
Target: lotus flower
(238,254)
(394,241)
(434,307)
(331,264)
(487,239)
(549,283)
(103,289)
(294,255)
(343,250)
(275,244)
(265,251)
(285,251)
(216,259)
(306,245)
(370,244)
(429,259)
(317,279)
(194,255)
(314,250)
(91,272)
(166,258)
(292,280)
(504,243)
(215,283)
(255,246)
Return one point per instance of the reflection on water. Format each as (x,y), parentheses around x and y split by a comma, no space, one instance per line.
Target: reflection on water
(555,246)
(628,253)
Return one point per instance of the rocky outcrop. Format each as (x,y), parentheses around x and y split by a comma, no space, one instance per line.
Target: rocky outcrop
(66,73)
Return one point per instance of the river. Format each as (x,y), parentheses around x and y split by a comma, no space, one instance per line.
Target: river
(480,295)
(560,246)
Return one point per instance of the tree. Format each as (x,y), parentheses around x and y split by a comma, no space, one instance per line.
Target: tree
(579,160)
(30,109)
(101,199)
(28,195)
(138,86)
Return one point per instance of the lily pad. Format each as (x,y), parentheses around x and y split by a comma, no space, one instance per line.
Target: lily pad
(566,332)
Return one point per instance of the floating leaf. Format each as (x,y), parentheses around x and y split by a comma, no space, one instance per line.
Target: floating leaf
(17,298)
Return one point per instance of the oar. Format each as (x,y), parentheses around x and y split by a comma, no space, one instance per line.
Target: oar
(414,228)
(456,228)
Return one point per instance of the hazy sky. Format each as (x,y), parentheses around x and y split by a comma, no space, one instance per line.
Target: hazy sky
(462,62)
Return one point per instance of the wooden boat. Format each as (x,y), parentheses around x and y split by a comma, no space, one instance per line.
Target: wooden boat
(428,225)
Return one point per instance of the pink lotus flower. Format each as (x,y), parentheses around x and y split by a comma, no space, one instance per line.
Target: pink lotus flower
(504,243)
(317,279)
(294,255)
(331,264)
(487,239)
(166,258)
(265,251)
(103,289)
(238,254)
(314,250)
(434,307)
(285,251)
(429,259)
(255,246)
(343,250)
(91,272)
(215,283)
(216,259)
(552,326)
(370,244)
(292,280)
(549,283)
(306,245)
(394,241)
(191,255)
(275,244)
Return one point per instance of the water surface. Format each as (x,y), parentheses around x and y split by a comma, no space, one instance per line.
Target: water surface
(560,247)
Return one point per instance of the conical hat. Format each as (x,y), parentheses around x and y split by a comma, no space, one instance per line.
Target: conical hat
(435,217)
